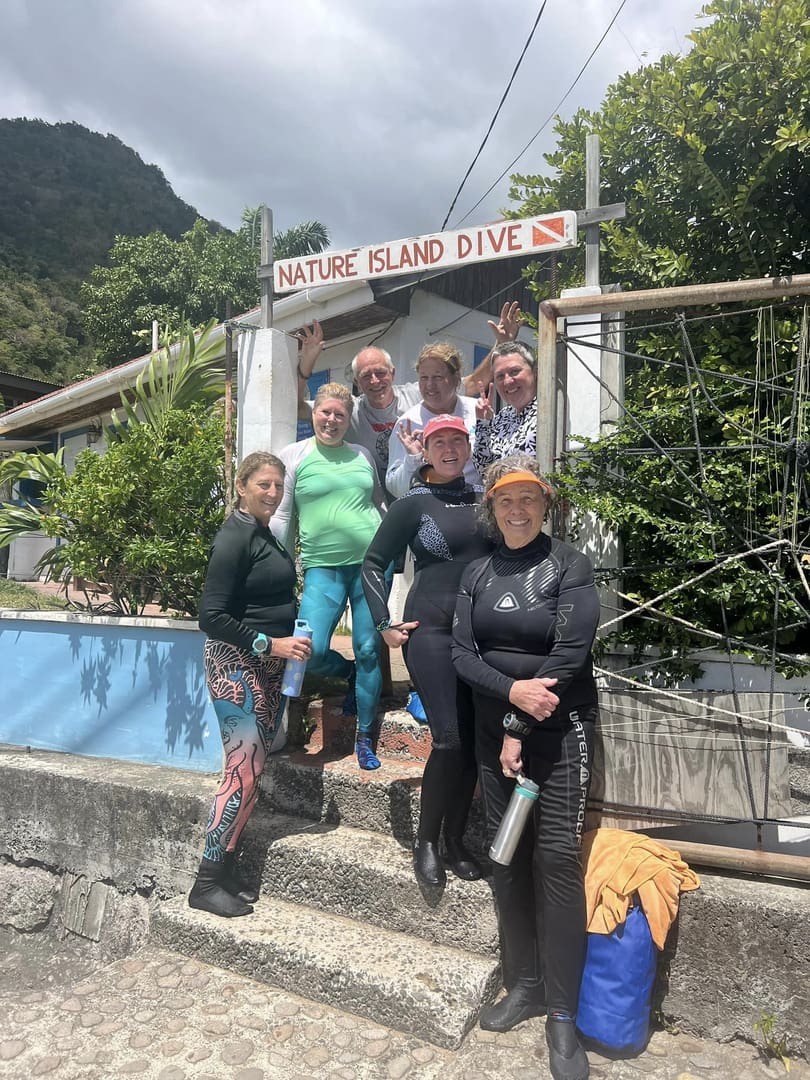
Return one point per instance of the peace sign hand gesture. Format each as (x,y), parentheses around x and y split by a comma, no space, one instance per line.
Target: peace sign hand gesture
(410,439)
(484,408)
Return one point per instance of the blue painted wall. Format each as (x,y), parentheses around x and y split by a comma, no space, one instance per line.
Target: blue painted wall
(107,688)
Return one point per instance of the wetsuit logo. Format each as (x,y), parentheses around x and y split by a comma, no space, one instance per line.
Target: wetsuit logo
(508,602)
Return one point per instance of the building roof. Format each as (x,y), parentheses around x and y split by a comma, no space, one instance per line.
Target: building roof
(344,309)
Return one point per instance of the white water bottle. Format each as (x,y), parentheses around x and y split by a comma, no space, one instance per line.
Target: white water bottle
(294,669)
(514,820)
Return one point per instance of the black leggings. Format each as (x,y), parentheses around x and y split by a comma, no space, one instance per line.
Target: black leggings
(448,782)
(541,897)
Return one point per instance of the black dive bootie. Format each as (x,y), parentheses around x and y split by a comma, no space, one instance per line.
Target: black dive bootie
(427,863)
(524,1000)
(461,861)
(566,1058)
(233,882)
(208,893)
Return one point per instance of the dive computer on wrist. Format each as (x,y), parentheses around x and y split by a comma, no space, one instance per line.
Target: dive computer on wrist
(515,726)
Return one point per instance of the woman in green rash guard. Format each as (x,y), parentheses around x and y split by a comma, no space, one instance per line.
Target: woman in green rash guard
(332,488)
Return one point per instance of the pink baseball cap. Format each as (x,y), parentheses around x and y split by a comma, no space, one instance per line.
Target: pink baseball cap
(442,422)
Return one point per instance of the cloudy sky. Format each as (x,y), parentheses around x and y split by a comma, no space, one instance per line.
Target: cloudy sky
(364,114)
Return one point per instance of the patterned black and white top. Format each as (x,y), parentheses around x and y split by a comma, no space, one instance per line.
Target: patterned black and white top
(508,432)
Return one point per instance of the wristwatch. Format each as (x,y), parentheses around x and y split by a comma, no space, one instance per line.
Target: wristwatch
(261,644)
(514,726)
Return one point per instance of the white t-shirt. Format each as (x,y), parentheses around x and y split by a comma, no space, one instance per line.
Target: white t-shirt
(402,465)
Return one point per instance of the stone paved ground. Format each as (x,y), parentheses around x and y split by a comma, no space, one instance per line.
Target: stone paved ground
(159,1016)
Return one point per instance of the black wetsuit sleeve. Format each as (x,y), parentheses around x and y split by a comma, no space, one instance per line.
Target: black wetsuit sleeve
(466,659)
(227,569)
(575,626)
(390,541)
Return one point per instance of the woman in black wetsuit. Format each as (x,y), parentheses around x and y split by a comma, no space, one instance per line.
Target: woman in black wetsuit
(247,610)
(525,622)
(437,519)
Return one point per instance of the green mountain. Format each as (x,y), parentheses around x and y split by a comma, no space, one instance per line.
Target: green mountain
(65,193)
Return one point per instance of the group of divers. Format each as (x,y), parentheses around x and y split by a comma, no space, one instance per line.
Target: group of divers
(496,634)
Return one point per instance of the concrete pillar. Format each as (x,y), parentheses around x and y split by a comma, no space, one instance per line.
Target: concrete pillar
(583,395)
(592,377)
(266,417)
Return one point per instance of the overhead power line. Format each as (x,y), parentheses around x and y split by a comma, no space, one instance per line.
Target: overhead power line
(545,123)
(495,117)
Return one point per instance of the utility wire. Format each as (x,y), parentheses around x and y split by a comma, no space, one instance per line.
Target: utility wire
(495,117)
(545,123)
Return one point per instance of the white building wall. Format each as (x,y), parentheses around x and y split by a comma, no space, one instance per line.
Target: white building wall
(432,319)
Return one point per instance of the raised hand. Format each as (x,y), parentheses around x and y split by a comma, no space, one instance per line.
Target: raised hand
(311,338)
(506,328)
(484,408)
(410,439)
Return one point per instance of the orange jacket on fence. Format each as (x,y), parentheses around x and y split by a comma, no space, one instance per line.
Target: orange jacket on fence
(618,864)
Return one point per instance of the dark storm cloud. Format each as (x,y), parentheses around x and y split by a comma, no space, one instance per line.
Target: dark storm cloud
(359,113)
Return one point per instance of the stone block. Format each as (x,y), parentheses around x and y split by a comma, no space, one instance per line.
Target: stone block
(29,895)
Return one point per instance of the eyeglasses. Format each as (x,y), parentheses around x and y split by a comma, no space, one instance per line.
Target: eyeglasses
(375,373)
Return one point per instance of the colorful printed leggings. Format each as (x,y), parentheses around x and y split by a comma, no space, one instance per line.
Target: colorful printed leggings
(326,591)
(246,692)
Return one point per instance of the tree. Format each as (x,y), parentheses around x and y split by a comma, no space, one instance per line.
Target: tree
(39,330)
(141,517)
(178,281)
(709,151)
(307,238)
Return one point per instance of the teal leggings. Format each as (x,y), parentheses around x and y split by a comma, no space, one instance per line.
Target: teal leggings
(326,592)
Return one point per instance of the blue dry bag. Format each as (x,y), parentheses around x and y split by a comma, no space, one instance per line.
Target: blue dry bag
(617,985)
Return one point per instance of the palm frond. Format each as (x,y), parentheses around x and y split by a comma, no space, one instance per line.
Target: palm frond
(32,465)
(175,378)
(17,521)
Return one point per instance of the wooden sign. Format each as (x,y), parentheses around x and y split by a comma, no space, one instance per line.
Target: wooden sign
(502,240)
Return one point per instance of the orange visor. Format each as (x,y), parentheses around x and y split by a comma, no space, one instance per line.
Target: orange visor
(521,476)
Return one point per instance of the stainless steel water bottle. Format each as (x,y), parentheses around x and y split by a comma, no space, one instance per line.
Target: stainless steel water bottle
(514,820)
(294,669)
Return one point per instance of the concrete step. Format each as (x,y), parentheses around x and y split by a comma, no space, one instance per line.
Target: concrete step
(366,876)
(399,735)
(431,991)
(329,787)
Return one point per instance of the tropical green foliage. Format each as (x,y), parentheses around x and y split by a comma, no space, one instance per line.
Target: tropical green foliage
(72,200)
(66,193)
(41,333)
(709,151)
(140,518)
(180,281)
(175,378)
